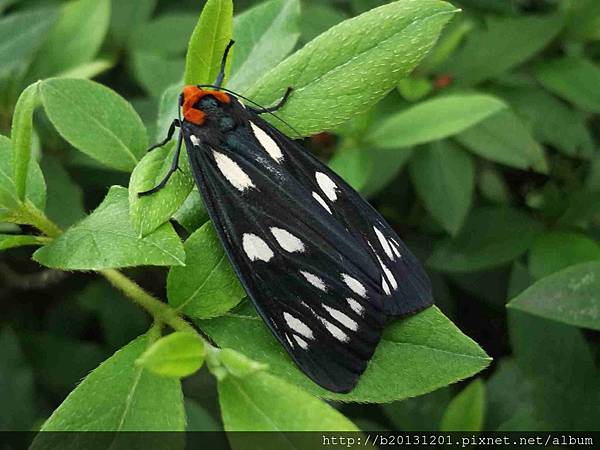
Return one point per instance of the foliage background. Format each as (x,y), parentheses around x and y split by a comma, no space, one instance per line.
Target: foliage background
(485,159)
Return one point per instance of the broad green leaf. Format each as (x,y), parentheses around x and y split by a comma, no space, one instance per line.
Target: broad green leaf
(21,131)
(466,411)
(433,119)
(117,396)
(444,177)
(491,237)
(451,38)
(14,240)
(16,385)
(127,16)
(492,186)
(149,212)
(207,286)
(192,214)
(156,72)
(207,45)
(350,67)
(198,418)
(553,122)
(583,20)
(421,413)
(167,34)
(95,120)
(502,45)
(569,296)
(36,186)
(562,368)
(177,355)
(167,110)
(316,18)
(575,80)
(503,138)
(89,69)
(413,89)
(265,35)
(509,396)
(106,239)
(64,205)
(74,39)
(416,355)
(263,402)
(556,250)
(21,34)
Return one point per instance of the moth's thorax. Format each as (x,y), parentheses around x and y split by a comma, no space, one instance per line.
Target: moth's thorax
(201,104)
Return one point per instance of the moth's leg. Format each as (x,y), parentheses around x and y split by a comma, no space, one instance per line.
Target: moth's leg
(172,169)
(174,124)
(221,75)
(278,105)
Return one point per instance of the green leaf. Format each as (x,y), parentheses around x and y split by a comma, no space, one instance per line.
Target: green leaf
(583,20)
(574,79)
(433,119)
(466,411)
(421,413)
(265,35)
(491,237)
(95,120)
(156,72)
(207,44)
(127,16)
(553,122)
(263,402)
(492,186)
(507,41)
(75,38)
(16,385)
(89,69)
(316,18)
(363,58)
(413,89)
(167,110)
(167,34)
(207,286)
(21,35)
(562,368)
(22,128)
(64,205)
(569,296)
(12,241)
(192,214)
(198,418)
(36,186)
(105,240)
(504,139)
(444,177)
(149,212)
(118,396)
(177,355)
(555,250)
(416,355)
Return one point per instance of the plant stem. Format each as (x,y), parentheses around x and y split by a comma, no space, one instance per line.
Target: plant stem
(30,215)
(150,303)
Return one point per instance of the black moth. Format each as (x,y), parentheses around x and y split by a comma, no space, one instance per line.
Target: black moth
(322,267)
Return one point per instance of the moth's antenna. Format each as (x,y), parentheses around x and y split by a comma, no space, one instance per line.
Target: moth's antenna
(221,75)
(254,103)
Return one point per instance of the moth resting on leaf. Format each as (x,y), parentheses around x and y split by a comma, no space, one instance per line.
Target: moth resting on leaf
(322,267)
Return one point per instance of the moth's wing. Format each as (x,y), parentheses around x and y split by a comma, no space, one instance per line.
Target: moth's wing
(405,285)
(309,279)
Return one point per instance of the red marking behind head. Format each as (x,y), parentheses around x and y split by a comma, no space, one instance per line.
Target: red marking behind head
(191,94)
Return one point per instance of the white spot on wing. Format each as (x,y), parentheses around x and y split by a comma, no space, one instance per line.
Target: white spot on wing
(233,172)
(356,307)
(384,243)
(267,142)
(314,280)
(298,326)
(342,318)
(195,140)
(355,285)
(287,240)
(388,274)
(301,342)
(255,248)
(327,186)
(385,286)
(318,198)
(395,247)
(335,331)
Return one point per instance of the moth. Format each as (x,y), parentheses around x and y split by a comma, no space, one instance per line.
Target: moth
(322,267)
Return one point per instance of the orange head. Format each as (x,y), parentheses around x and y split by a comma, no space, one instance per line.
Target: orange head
(191,95)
